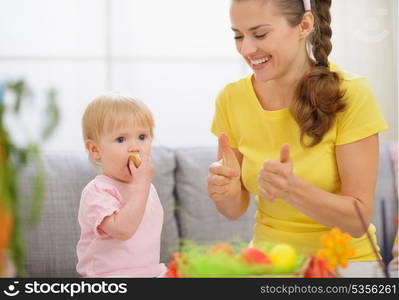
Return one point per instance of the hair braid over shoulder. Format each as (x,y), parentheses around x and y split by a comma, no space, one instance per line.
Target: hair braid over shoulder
(319,96)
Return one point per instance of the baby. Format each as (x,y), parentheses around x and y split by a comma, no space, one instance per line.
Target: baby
(120,214)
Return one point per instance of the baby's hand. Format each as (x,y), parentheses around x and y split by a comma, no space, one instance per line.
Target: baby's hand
(143,173)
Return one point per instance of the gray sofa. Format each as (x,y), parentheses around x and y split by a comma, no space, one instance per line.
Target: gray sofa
(180,180)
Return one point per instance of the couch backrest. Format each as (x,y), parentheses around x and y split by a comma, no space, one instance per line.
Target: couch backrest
(198,217)
(51,244)
(181,177)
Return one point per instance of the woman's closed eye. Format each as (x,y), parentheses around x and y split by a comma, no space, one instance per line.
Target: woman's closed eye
(260,36)
(257,36)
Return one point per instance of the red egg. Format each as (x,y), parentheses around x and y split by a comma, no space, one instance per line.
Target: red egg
(226,248)
(317,268)
(254,256)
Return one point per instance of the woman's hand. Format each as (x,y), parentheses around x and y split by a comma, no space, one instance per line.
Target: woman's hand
(224,175)
(275,177)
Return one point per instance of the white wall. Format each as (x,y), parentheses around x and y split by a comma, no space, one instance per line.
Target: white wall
(365,41)
(396,77)
(174,55)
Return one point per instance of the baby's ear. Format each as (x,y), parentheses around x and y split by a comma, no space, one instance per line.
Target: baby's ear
(93,150)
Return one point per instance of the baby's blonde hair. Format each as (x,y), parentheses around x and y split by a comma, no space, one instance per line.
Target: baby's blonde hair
(109,111)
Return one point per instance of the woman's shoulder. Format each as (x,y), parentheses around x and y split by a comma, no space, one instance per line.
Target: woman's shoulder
(234,89)
(349,80)
(240,83)
(361,102)
(357,89)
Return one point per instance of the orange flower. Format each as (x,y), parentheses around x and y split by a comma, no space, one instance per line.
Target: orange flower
(336,249)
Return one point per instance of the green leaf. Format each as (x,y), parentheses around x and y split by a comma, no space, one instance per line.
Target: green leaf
(12,161)
(53,114)
(21,91)
(38,191)
(17,247)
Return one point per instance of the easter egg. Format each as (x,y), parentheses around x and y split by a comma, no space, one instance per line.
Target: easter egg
(317,268)
(283,256)
(222,247)
(254,256)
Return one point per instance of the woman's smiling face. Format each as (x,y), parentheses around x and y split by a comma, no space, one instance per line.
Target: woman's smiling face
(264,38)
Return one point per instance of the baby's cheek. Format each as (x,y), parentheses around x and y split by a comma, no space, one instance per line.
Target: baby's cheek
(148,148)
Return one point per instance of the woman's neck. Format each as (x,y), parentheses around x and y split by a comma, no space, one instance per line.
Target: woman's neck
(278,93)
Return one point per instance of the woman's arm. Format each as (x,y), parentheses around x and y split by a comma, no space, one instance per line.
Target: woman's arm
(357,166)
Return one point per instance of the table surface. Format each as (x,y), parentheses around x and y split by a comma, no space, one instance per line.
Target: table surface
(357,269)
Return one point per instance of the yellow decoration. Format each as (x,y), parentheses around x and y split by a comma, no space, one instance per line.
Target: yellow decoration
(283,256)
(336,249)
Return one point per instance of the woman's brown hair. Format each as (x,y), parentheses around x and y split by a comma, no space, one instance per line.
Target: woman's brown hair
(319,96)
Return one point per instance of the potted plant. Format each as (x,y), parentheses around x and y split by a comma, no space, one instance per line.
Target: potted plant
(13,158)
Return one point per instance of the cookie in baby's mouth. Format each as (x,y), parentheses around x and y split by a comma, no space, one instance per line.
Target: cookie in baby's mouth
(135,157)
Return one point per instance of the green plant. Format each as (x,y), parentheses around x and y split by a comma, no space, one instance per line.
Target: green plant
(13,158)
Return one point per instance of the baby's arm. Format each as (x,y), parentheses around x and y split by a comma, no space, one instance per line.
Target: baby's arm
(123,224)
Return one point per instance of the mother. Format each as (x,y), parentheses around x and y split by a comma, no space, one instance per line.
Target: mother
(299,133)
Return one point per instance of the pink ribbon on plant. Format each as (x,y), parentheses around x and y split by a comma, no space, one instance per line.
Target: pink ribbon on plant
(306,4)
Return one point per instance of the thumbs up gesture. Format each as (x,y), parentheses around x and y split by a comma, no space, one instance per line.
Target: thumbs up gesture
(224,175)
(275,177)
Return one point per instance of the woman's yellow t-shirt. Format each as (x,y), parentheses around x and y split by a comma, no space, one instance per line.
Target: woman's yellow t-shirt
(259,134)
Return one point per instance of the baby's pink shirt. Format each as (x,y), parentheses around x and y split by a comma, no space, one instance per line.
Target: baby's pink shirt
(100,255)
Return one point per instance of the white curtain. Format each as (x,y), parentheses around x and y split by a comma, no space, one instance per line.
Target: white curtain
(174,55)
(365,41)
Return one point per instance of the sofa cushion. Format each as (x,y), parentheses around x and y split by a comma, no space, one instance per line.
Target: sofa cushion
(198,218)
(165,165)
(51,245)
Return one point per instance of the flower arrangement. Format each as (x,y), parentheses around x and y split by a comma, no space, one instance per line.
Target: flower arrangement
(280,260)
(225,260)
(335,253)
(13,158)
(336,249)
